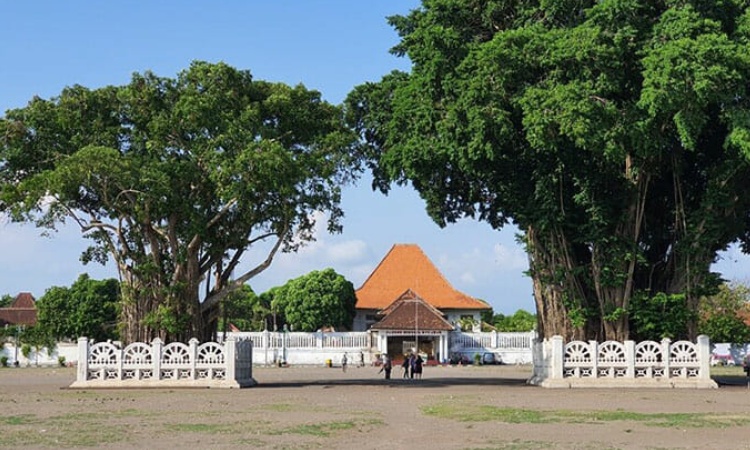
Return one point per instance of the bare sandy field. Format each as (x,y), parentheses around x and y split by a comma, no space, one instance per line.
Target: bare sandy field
(487,407)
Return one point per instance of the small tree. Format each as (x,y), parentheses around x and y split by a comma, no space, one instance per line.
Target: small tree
(240,309)
(521,320)
(722,314)
(6,300)
(318,299)
(88,308)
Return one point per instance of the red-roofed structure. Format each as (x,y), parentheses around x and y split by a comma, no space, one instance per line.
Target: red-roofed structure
(21,312)
(404,285)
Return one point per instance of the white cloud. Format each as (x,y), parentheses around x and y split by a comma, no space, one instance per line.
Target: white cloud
(510,258)
(347,251)
(468,277)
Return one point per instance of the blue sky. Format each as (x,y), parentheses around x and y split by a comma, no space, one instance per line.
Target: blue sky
(330,46)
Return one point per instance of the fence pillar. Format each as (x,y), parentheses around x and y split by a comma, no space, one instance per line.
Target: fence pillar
(630,358)
(193,352)
(704,357)
(594,351)
(83,359)
(230,358)
(265,342)
(558,355)
(666,350)
(156,347)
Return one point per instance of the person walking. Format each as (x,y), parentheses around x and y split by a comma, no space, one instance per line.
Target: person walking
(417,369)
(405,366)
(343,362)
(386,367)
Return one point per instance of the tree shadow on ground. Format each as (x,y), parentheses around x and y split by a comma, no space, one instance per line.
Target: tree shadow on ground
(424,383)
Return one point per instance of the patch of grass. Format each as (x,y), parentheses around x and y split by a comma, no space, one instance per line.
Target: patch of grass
(203,428)
(326,429)
(23,419)
(483,413)
(517,444)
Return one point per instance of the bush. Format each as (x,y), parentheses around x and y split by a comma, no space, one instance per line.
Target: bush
(477,359)
(3,361)
(61,361)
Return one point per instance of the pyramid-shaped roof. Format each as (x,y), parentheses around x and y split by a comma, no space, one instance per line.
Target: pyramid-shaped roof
(407,267)
(410,312)
(22,311)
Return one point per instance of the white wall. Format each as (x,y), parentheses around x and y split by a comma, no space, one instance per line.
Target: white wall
(67,350)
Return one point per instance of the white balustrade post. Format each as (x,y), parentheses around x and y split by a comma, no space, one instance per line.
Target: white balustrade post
(319,339)
(630,359)
(120,362)
(230,358)
(666,351)
(704,357)
(594,352)
(156,349)
(558,356)
(83,360)
(493,340)
(193,354)
(266,344)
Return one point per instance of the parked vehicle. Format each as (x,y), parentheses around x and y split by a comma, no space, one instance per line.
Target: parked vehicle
(490,359)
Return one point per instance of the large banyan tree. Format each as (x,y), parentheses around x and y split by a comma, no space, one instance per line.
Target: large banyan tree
(615,134)
(176,179)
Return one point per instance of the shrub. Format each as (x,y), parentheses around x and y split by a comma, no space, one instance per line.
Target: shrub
(3,361)
(61,361)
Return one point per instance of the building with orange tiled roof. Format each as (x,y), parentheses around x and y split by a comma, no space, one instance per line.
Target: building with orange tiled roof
(406,280)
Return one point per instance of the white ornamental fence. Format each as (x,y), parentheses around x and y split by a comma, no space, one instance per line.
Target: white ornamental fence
(622,364)
(301,348)
(104,364)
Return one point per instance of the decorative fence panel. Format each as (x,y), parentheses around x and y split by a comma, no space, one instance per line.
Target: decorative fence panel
(103,364)
(618,364)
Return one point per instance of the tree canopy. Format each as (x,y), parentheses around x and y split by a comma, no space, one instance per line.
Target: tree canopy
(615,134)
(723,316)
(319,299)
(87,308)
(176,179)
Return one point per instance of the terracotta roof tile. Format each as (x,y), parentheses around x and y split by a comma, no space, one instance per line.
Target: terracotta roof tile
(410,312)
(407,267)
(21,312)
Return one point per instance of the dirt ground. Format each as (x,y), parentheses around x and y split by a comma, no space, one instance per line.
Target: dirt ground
(487,407)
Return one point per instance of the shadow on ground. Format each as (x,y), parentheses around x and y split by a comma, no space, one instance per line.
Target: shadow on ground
(732,380)
(424,383)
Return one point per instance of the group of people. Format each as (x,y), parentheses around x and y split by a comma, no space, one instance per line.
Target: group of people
(412,366)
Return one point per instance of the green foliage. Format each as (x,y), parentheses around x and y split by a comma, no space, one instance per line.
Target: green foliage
(521,320)
(6,300)
(61,361)
(660,316)
(87,308)
(318,299)
(176,179)
(3,361)
(614,134)
(722,314)
(245,310)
